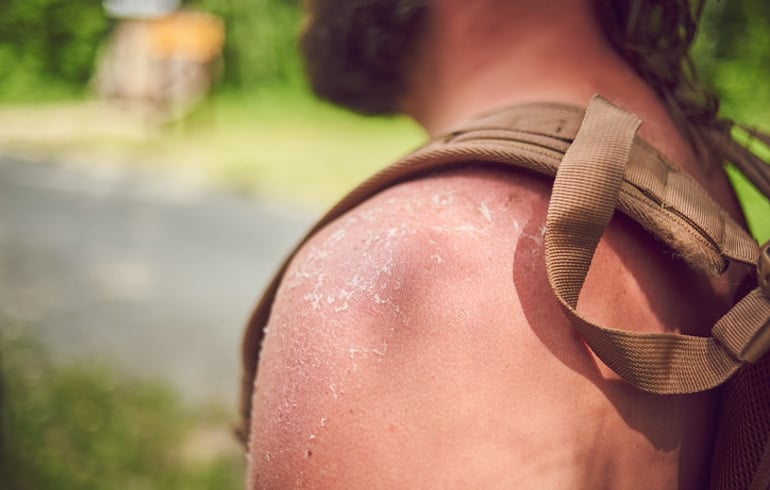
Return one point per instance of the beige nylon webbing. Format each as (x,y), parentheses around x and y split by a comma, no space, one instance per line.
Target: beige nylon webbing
(584,197)
(663,200)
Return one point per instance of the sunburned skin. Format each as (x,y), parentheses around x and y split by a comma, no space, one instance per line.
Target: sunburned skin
(364,281)
(415,343)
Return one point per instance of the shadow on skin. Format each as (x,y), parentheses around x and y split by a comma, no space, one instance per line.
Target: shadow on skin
(544,314)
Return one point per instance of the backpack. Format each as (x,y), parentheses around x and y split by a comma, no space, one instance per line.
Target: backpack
(599,165)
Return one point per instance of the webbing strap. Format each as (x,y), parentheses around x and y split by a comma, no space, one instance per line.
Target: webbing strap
(584,196)
(585,193)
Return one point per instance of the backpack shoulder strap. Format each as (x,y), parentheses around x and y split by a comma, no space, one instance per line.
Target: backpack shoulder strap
(586,190)
(637,181)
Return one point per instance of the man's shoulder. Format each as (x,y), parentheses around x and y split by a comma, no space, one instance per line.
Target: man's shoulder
(431,238)
(425,315)
(467,236)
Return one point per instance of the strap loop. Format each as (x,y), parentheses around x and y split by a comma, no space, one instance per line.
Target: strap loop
(744,331)
(585,193)
(584,196)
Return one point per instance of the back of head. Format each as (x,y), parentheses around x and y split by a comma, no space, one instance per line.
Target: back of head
(355,54)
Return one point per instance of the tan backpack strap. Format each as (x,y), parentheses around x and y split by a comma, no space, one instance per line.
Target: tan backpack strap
(665,201)
(585,193)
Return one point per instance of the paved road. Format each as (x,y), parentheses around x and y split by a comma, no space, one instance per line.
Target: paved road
(154,276)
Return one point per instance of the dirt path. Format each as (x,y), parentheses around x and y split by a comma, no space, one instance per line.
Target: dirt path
(153,275)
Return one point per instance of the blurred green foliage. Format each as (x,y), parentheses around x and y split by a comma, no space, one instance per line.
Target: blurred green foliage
(261,44)
(86,427)
(732,53)
(47,47)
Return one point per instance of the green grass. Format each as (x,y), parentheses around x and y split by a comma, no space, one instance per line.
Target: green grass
(281,145)
(290,146)
(84,426)
(756,207)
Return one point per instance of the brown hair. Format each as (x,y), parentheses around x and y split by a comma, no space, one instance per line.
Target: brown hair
(655,37)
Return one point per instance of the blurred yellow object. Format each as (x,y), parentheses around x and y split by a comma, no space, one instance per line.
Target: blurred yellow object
(193,36)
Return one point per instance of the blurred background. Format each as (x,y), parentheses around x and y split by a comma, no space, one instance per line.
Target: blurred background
(157,159)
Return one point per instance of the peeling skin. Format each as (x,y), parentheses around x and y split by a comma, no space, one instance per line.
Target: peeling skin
(484,210)
(317,343)
(379,250)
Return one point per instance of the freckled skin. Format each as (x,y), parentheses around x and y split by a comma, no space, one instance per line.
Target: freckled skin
(415,343)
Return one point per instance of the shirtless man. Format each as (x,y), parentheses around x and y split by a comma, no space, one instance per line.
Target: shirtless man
(415,342)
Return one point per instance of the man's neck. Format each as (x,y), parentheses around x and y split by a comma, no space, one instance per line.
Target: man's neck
(469,64)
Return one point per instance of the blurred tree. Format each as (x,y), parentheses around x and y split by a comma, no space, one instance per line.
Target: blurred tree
(48,44)
(261,46)
(732,53)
